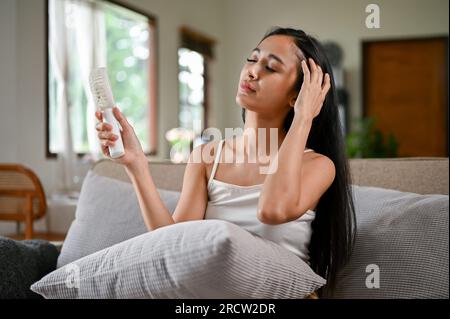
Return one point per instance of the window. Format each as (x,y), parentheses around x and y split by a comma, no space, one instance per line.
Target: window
(84,34)
(191,79)
(193,57)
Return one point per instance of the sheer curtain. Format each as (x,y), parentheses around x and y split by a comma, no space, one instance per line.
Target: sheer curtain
(91,49)
(58,58)
(87,22)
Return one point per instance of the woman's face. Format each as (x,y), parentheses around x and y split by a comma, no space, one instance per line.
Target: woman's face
(266,83)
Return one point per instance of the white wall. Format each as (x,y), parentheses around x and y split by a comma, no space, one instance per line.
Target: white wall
(237,25)
(8,145)
(342,21)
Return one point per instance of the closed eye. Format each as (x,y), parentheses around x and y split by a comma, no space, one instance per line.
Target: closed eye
(267,67)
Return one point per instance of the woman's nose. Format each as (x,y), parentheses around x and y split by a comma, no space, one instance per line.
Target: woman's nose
(253,72)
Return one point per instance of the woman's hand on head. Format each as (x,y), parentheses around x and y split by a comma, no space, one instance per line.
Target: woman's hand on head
(133,150)
(313,91)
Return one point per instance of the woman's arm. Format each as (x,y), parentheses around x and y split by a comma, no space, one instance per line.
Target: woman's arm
(193,199)
(295,187)
(153,210)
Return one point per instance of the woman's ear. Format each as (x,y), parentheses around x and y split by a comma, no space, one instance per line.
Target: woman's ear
(293,99)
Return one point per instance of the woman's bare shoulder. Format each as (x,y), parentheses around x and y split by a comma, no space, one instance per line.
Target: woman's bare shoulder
(320,162)
(205,153)
(312,158)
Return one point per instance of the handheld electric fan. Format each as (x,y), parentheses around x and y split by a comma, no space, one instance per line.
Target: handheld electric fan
(102,94)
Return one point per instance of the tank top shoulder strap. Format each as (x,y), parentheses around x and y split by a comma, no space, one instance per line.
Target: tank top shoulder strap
(216,161)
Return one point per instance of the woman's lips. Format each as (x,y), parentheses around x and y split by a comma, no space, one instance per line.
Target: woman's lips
(246,87)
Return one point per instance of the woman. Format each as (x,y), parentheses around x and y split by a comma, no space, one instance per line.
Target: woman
(286,83)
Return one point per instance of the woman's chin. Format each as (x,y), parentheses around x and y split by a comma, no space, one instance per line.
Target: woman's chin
(242,99)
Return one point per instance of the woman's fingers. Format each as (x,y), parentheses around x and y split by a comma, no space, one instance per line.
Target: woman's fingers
(314,72)
(107,135)
(306,74)
(107,143)
(326,86)
(320,75)
(326,82)
(313,68)
(121,118)
(99,115)
(105,149)
(103,127)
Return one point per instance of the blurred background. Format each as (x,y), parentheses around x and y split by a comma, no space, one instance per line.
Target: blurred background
(174,67)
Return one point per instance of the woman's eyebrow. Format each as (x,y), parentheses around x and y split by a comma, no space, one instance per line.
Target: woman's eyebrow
(272,56)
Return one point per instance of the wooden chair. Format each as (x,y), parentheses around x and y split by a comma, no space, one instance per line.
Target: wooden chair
(22,198)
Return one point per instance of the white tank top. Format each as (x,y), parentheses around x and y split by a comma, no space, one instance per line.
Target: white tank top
(239,204)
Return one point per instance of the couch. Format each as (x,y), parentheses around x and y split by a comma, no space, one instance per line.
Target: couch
(398,253)
(378,207)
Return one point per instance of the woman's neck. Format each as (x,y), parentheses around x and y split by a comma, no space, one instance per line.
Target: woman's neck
(254,123)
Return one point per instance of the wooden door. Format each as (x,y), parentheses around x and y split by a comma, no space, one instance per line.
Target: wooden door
(405,90)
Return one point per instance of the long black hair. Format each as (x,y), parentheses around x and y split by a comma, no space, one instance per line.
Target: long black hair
(334,226)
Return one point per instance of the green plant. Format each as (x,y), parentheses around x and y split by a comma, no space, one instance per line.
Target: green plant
(368,142)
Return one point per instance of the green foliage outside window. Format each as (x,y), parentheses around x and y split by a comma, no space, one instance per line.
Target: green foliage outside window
(127,56)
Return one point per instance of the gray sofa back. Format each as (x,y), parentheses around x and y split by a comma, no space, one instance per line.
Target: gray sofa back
(422,175)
